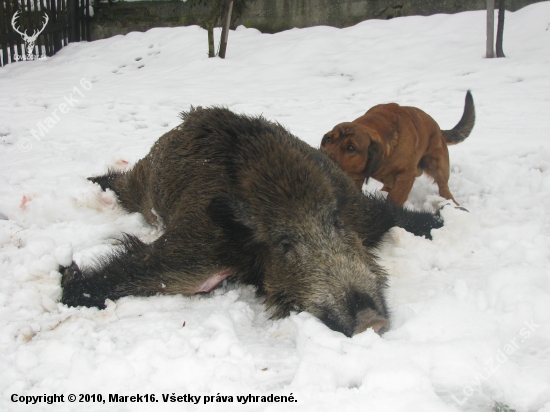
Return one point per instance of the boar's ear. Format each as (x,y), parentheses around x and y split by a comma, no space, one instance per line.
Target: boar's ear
(374,161)
(232,215)
(342,200)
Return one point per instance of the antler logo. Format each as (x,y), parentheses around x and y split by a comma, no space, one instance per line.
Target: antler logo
(29,40)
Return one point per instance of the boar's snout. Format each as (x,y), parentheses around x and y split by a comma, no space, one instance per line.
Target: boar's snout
(370,319)
(358,314)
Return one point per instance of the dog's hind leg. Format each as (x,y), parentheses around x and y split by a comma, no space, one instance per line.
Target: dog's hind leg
(438,168)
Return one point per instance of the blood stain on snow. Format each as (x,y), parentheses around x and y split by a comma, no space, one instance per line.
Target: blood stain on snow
(106,199)
(25,200)
(121,164)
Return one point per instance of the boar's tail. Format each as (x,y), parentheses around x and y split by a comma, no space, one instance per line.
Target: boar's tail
(464,127)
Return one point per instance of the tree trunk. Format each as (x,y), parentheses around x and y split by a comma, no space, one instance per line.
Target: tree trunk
(225,29)
(500,28)
(490,28)
(210,29)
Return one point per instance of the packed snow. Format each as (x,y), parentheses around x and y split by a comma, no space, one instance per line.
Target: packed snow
(470,310)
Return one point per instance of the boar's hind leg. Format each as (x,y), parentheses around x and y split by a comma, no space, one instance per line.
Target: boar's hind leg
(136,269)
(131,189)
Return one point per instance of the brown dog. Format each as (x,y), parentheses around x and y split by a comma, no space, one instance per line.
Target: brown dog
(394,144)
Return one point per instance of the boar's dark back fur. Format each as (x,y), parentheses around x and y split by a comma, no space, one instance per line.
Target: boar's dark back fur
(241,197)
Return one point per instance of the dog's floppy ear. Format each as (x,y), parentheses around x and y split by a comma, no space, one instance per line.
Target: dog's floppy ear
(329,137)
(374,160)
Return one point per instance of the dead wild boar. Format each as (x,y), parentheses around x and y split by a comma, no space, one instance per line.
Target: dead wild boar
(242,198)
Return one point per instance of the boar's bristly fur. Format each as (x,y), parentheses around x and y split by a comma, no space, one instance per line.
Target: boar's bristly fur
(241,198)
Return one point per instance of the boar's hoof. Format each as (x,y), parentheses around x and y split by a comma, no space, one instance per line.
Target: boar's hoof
(107,180)
(70,274)
(73,295)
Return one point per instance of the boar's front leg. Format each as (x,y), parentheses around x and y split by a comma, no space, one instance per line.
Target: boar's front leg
(379,215)
(419,223)
(141,270)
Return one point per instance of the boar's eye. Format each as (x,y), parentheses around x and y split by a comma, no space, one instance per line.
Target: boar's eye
(335,221)
(338,226)
(328,139)
(350,148)
(287,247)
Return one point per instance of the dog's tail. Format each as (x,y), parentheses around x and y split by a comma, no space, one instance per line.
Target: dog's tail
(464,127)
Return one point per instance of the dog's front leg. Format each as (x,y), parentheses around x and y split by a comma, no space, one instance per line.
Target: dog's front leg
(399,192)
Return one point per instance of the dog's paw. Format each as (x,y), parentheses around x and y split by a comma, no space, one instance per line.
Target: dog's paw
(449,203)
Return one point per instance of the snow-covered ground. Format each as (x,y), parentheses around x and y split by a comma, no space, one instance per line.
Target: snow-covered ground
(470,309)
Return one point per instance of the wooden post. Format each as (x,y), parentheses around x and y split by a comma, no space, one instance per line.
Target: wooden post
(57,44)
(225,28)
(210,31)
(47,38)
(500,28)
(17,46)
(41,37)
(4,24)
(88,22)
(490,28)
(72,21)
